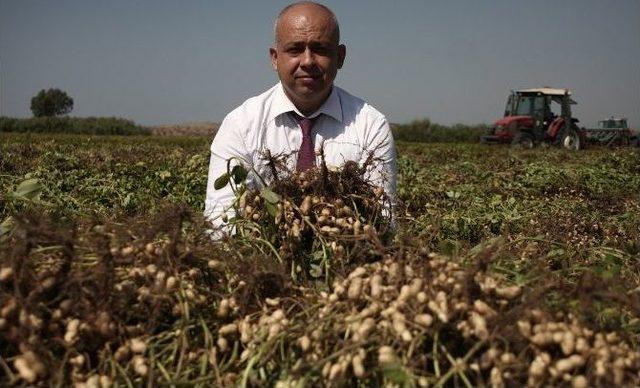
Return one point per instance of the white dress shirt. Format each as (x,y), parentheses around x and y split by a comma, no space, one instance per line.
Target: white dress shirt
(348,129)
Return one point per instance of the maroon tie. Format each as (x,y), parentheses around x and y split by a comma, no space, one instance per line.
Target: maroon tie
(306,154)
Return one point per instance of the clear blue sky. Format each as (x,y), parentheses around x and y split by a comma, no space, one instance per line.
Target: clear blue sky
(161,62)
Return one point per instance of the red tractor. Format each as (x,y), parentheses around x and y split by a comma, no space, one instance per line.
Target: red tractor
(535,116)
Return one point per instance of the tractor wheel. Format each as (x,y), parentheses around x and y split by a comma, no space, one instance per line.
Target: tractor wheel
(570,139)
(523,140)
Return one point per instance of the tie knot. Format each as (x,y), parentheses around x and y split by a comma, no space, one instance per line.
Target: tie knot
(305,123)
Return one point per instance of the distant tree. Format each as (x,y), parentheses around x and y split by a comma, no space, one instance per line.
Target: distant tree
(51,102)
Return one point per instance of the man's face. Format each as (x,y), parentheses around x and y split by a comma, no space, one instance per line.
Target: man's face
(307,56)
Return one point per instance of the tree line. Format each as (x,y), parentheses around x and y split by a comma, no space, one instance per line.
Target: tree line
(50,108)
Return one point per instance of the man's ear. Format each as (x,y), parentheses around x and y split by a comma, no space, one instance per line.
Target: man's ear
(273,53)
(342,53)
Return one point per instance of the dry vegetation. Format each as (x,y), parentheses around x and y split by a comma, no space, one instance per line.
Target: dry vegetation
(185,129)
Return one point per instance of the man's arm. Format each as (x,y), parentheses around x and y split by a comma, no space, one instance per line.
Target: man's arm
(228,143)
(380,146)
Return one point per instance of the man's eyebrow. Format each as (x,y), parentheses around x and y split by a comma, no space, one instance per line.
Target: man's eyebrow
(292,46)
(320,43)
(313,43)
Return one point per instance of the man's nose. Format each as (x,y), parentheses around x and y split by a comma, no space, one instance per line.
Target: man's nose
(307,58)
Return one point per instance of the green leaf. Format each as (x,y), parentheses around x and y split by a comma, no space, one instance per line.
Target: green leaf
(222,181)
(269,195)
(315,271)
(271,208)
(6,226)
(555,253)
(164,174)
(452,194)
(29,189)
(239,173)
(448,247)
(397,374)
(127,200)
(317,256)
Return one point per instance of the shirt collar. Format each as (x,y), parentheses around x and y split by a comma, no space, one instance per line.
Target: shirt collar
(281,104)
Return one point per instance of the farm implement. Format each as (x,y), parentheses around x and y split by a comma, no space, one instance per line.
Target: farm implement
(613,132)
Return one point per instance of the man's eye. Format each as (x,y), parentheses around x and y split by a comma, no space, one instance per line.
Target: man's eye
(322,50)
(294,50)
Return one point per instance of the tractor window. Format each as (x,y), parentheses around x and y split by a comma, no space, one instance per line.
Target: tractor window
(508,110)
(538,107)
(524,106)
(555,108)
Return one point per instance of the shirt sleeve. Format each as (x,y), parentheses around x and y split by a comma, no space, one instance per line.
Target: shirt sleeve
(380,146)
(228,144)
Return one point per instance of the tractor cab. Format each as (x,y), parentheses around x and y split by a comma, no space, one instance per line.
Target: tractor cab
(534,110)
(539,103)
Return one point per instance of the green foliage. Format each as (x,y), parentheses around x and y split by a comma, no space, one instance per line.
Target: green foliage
(467,193)
(74,125)
(51,102)
(424,131)
(29,189)
(103,175)
(450,192)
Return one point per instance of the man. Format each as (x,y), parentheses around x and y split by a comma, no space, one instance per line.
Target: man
(302,113)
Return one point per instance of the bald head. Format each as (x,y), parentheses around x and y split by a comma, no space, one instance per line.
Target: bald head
(295,14)
(307,53)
